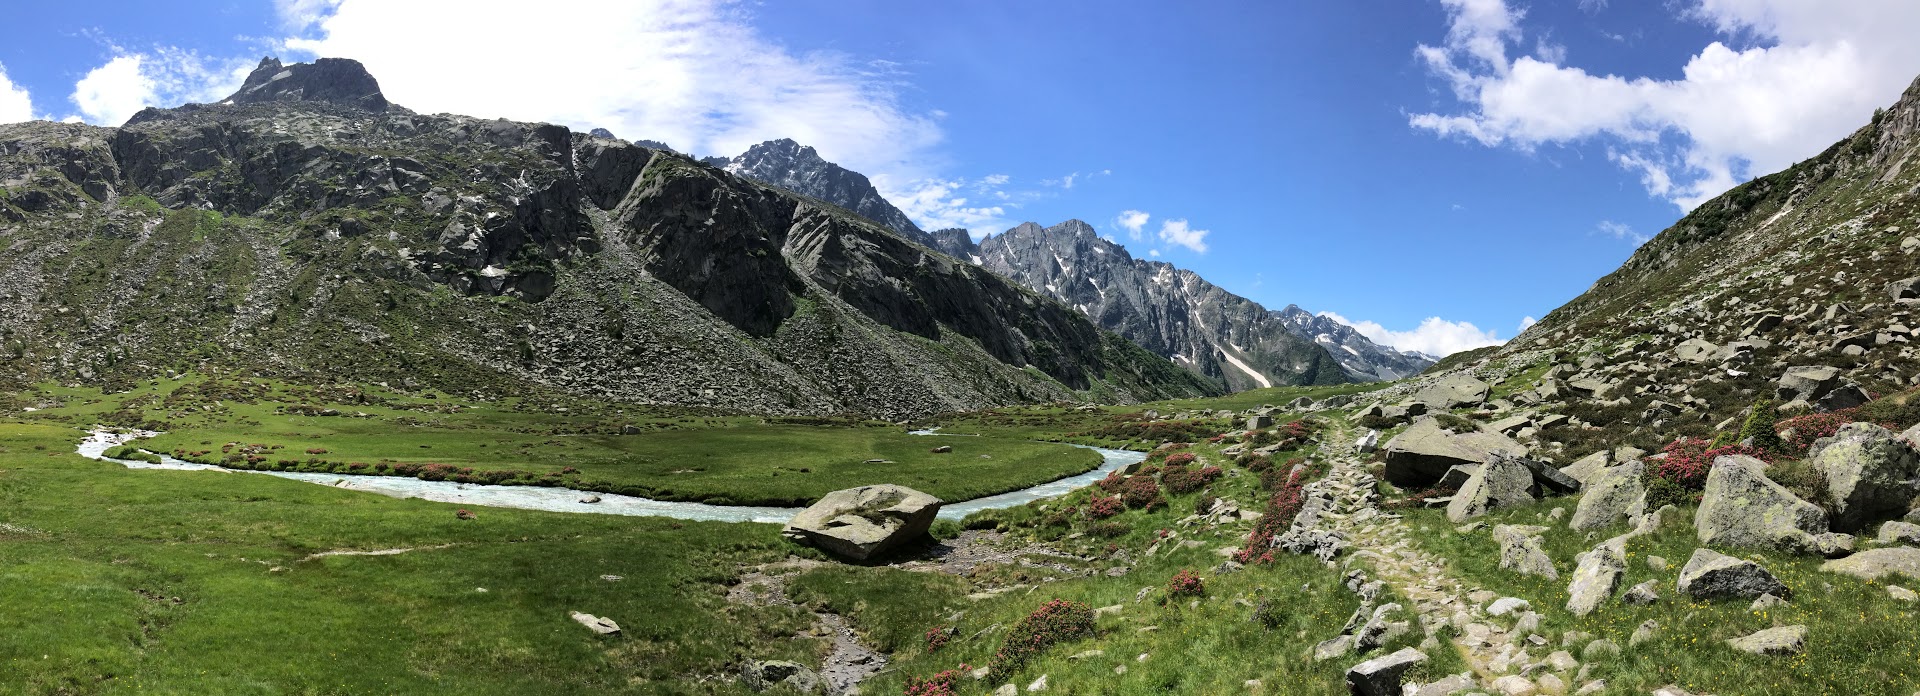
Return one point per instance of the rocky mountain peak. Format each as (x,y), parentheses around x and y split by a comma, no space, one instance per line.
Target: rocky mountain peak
(333,80)
(800,169)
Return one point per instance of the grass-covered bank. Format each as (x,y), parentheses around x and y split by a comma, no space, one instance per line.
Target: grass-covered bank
(195,583)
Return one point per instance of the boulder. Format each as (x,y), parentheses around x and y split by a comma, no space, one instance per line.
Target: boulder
(1596,576)
(1780,640)
(1696,351)
(858,523)
(1368,442)
(1418,456)
(1453,391)
(1503,481)
(760,675)
(1806,383)
(1712,575)
(1846,395)
(1643,593)
(1456,477)
(1613,494)
(1521,551)
(1259,422)
(1900,533)
(1549,477)
(1871,474)
(1742,507)
(1511,425)
(1905,289)
(1587,468)
(1874,564)
(1381,676)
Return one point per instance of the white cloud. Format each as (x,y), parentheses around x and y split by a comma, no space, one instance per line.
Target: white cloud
(1434,336)
(995,179)
(934,205)
(1133,221)
(1618,230)
(15,104)
(1526,323)
(110,94)
(1816,72)
(691,73)
(1179,233)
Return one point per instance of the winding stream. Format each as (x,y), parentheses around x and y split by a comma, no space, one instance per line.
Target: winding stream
(568,500)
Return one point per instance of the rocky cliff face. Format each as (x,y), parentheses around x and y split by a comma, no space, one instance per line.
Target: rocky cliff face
(1363,359)
(1172,312)
(306,227)
(798,168)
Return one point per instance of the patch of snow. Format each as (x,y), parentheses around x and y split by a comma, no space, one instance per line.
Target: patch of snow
(1257,377)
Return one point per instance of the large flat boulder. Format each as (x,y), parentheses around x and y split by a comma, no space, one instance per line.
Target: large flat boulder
(1874,564)
(858,523)
(1871,474)
(1381,676)
(1420,455)
(1807,383)
(1503,481)
(1713,575)
(1453,391)
(1743,508)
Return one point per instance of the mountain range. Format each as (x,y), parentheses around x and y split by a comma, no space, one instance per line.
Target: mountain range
(308,227)
(1229,340)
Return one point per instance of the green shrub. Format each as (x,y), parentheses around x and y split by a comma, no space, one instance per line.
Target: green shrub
(1055,622)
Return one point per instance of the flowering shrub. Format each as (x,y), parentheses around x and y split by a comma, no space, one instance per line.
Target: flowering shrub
(1135,427)
(464,514)
(1104,506)
(938,636)
(1688,460)
(1055,622)
(1112,482)
(945,683)
(1142,493)
(1800,432)
(1109,530)
(1186,584)
(1281,508)
(1183,480)
(1180,459)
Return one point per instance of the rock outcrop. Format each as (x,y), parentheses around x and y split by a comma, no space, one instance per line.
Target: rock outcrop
(1712,575)
(1423,453)
(1871,474)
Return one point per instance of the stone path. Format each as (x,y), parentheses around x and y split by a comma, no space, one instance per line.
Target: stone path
(1504,653)
(850,661)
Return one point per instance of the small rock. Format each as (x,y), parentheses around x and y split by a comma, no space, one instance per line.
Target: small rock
(1038,684)
(1381,676)
(1599,650)
(1711,575)
(1647,631)
(1508,605)
(1657,564)
(1901,593)
(1643,593)
(1783,640)
(1765,602)
(600,625)
(1514,685)
(1006,690)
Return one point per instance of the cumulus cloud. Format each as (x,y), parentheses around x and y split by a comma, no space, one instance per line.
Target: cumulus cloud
(1434,336)
(935,204)
(1179,233)
(691,73)
(1815,73)
(110,94)
(1133,221)
(1526,323)
(15,104)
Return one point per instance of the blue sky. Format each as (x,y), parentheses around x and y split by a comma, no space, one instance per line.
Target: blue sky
(1434,171)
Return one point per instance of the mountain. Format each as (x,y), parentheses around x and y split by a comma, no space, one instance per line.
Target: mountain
(1363,359)
(1798,286)
(1171,311)
(800,169)
(307,228)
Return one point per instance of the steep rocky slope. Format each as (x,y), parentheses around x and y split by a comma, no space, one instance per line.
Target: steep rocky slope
(307,227)
(1798,287)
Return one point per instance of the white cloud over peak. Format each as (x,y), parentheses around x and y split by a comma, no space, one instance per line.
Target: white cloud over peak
(1816,72)
(935,204)
(1179,233)
(1618,230)
(1434,336)
(112,93)
(691,73)
(1133,221)
(16,104)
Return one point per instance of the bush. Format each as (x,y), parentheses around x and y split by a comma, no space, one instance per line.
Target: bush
(1112,482)
(1142,493)
(1688,460)
(1104,506)
(945,683)
(1186,584)
(1267,613)
(938,636)
(1180,459)
(1181,480)
(1203,504)
(1278,517)
(944,529)
(1759,427)
(1109,530)
(1055,622)
(1800,432)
